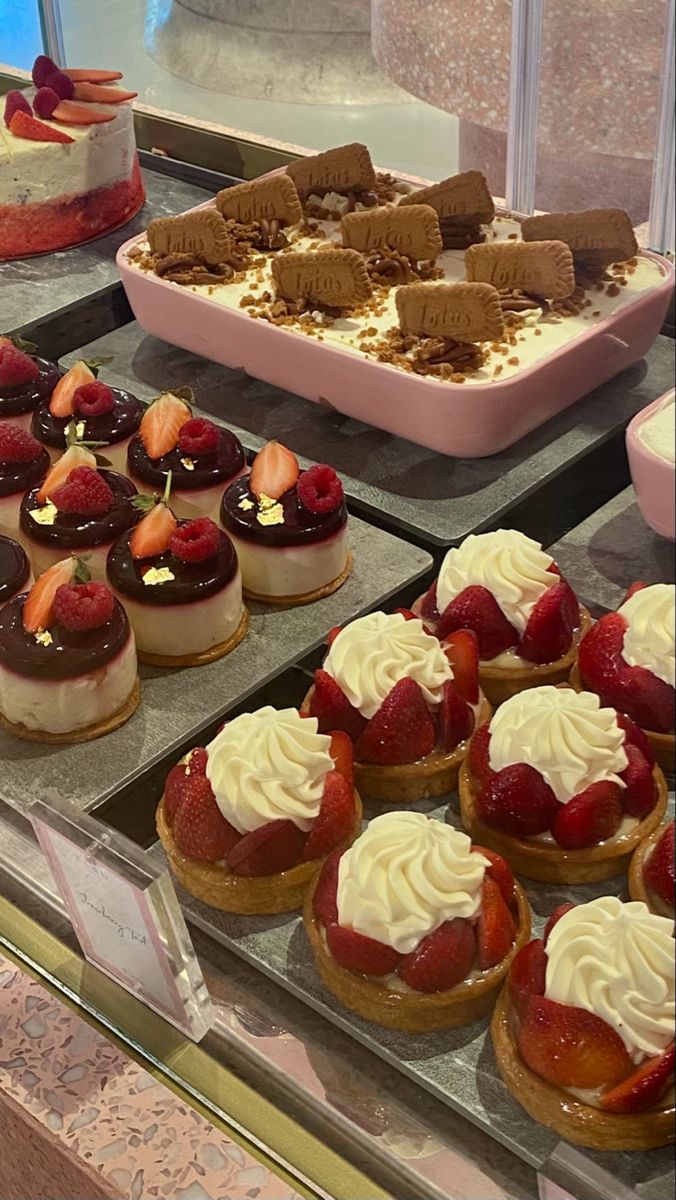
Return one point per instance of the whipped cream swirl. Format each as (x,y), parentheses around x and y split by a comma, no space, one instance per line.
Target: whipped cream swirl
(268,766)
(508,564)
(649,637)
(616,960)
(405,876)
(565,735)
(373,653)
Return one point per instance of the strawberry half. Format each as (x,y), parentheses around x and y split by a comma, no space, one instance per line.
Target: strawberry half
(456,719)
(442,959)
(74,456)
(569,1046)
(517,800)
(153,533)
(23,126)
(334,821)
(659,869)
(495,931)
(647,699)
(38,609)
(62,400)
(527,975)
(640,795)
(275,470)
(192,765)
(462,651)
(428,606)
(477,609)
(355,952)
(332,708)
(70,113)
(600,655)
(342,753)
(549,632)
(500,871)
(644,1088)
(478,753)
(162,423)
(268,850)
(402,731)
(201,832)
(558,912)
(324,902)
(636,736)
(592,816)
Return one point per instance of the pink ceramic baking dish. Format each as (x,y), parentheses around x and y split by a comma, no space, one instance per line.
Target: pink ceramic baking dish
(454,419)
(653,477)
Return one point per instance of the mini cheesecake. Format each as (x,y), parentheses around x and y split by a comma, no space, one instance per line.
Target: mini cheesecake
(289,528)
(23,463)
(67,660)
(15,570)
(202,457)
(96,412)
(25,382)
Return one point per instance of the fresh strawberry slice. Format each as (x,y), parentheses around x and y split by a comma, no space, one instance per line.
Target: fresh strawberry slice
(557,913)
(527,975)
(402,731)
(324,900)
(570,603)
(517,800)
(268,850)
(342,753)
(644,1087)
(91,75)
(23,126)
(659,869)
(478,753)
(569,1046)
(456,719)
(192,765)
(428,606)
(62,402)
(355,952)
(631,591)
(70,113)
(636,736)
(332,708)
(640,795)
(407,614)
(500,871)
(477,609)
(462,651)
(648,700)
(74,456)
(442,959)
(162,423)
(333,634)
(495,931)
(334,821)
(201,832)
(15,101)
(592,816)
(153,533)
(275,470)
(600,655)
(95,93)
(549,632)
(38,609)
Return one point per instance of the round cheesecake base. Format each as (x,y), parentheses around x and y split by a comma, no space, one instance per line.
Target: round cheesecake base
(205,656)
(559,1110)
(500,683)
(319,593)
(638,889)
(413,1012)
(86,734)
(663,745)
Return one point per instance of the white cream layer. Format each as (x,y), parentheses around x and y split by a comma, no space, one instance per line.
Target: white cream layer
(511,566)
(291,570)
(180,629)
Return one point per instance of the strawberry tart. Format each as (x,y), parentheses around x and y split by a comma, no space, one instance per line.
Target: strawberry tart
(181,587)
(414,928)
(203,458)
(69,170)
(96,413)
(408,703)
(289,528)
(627,658)
(23,463)
(584,1030)
(77,509)
(563,788)
(15,570)
(247,821)
(510,592)
(651,873)
(67,659)
(25,381)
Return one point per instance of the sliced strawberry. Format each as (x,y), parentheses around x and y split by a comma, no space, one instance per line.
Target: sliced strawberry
(478,753)
(428,606)
(636,737)
(517,800)
(558,912)
(192,765)
(355,952)
(95,93)
(201,832)
(324,900)
(477,609)
(153,533)
(592,816)
(462,651)
(569,1046)
(342,753)
(456,719)
(74,456)
(549,632)
(495,931)
(91,75)
(659,869)
(70,113)
(527,975)
(402,731)
(162,423)
(23,126)
(600,655)
(631,591)
(38,609)
(640,795)
(500,871)
(333,634)
(268,850)
(275,470)
(333,709)
(61,403)
(407,614)
(334,821)
(648,700)
(442,959)
(644,1087)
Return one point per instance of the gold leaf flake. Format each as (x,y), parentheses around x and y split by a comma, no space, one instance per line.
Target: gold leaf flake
(271,516)
(188,463)
(266,501)
(246,504)
(80,430)
(45,515)
(43,637)
(158,575)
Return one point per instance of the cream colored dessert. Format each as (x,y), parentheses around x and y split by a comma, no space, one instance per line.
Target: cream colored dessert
(291,570)
(658,432)
(649,637)
(186,629)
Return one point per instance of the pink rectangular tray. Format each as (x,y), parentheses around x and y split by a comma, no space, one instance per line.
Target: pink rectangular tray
(454,419)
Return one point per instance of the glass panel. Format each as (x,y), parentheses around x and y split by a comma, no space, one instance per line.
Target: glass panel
(20,33)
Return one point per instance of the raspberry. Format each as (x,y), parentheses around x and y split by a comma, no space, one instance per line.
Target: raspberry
(45,101)
(93,399)
(15,102)
(16,367)
(17,445)
(85,491)
(319,489)
(195,540)
(198,436)
(43,68)
(82,606)
(60,83)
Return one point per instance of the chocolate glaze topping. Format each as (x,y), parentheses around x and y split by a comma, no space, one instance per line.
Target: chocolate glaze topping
(300,526)
(192,581)
(209,469)
(69,653)
(112,426)
(76,531)
(25,396)
(18,477)
(14,568)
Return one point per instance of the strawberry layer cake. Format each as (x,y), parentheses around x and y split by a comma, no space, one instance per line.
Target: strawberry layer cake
(69,170)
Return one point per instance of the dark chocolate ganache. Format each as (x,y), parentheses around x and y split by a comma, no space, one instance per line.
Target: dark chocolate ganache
(75,531)
(201,471)
(300,527)
(25,396)
(19,477)
(68,654)
(114,426)
(191,582)
(14,568)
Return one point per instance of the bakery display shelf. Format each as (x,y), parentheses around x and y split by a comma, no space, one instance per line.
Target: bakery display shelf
(178,706)
(550,480)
